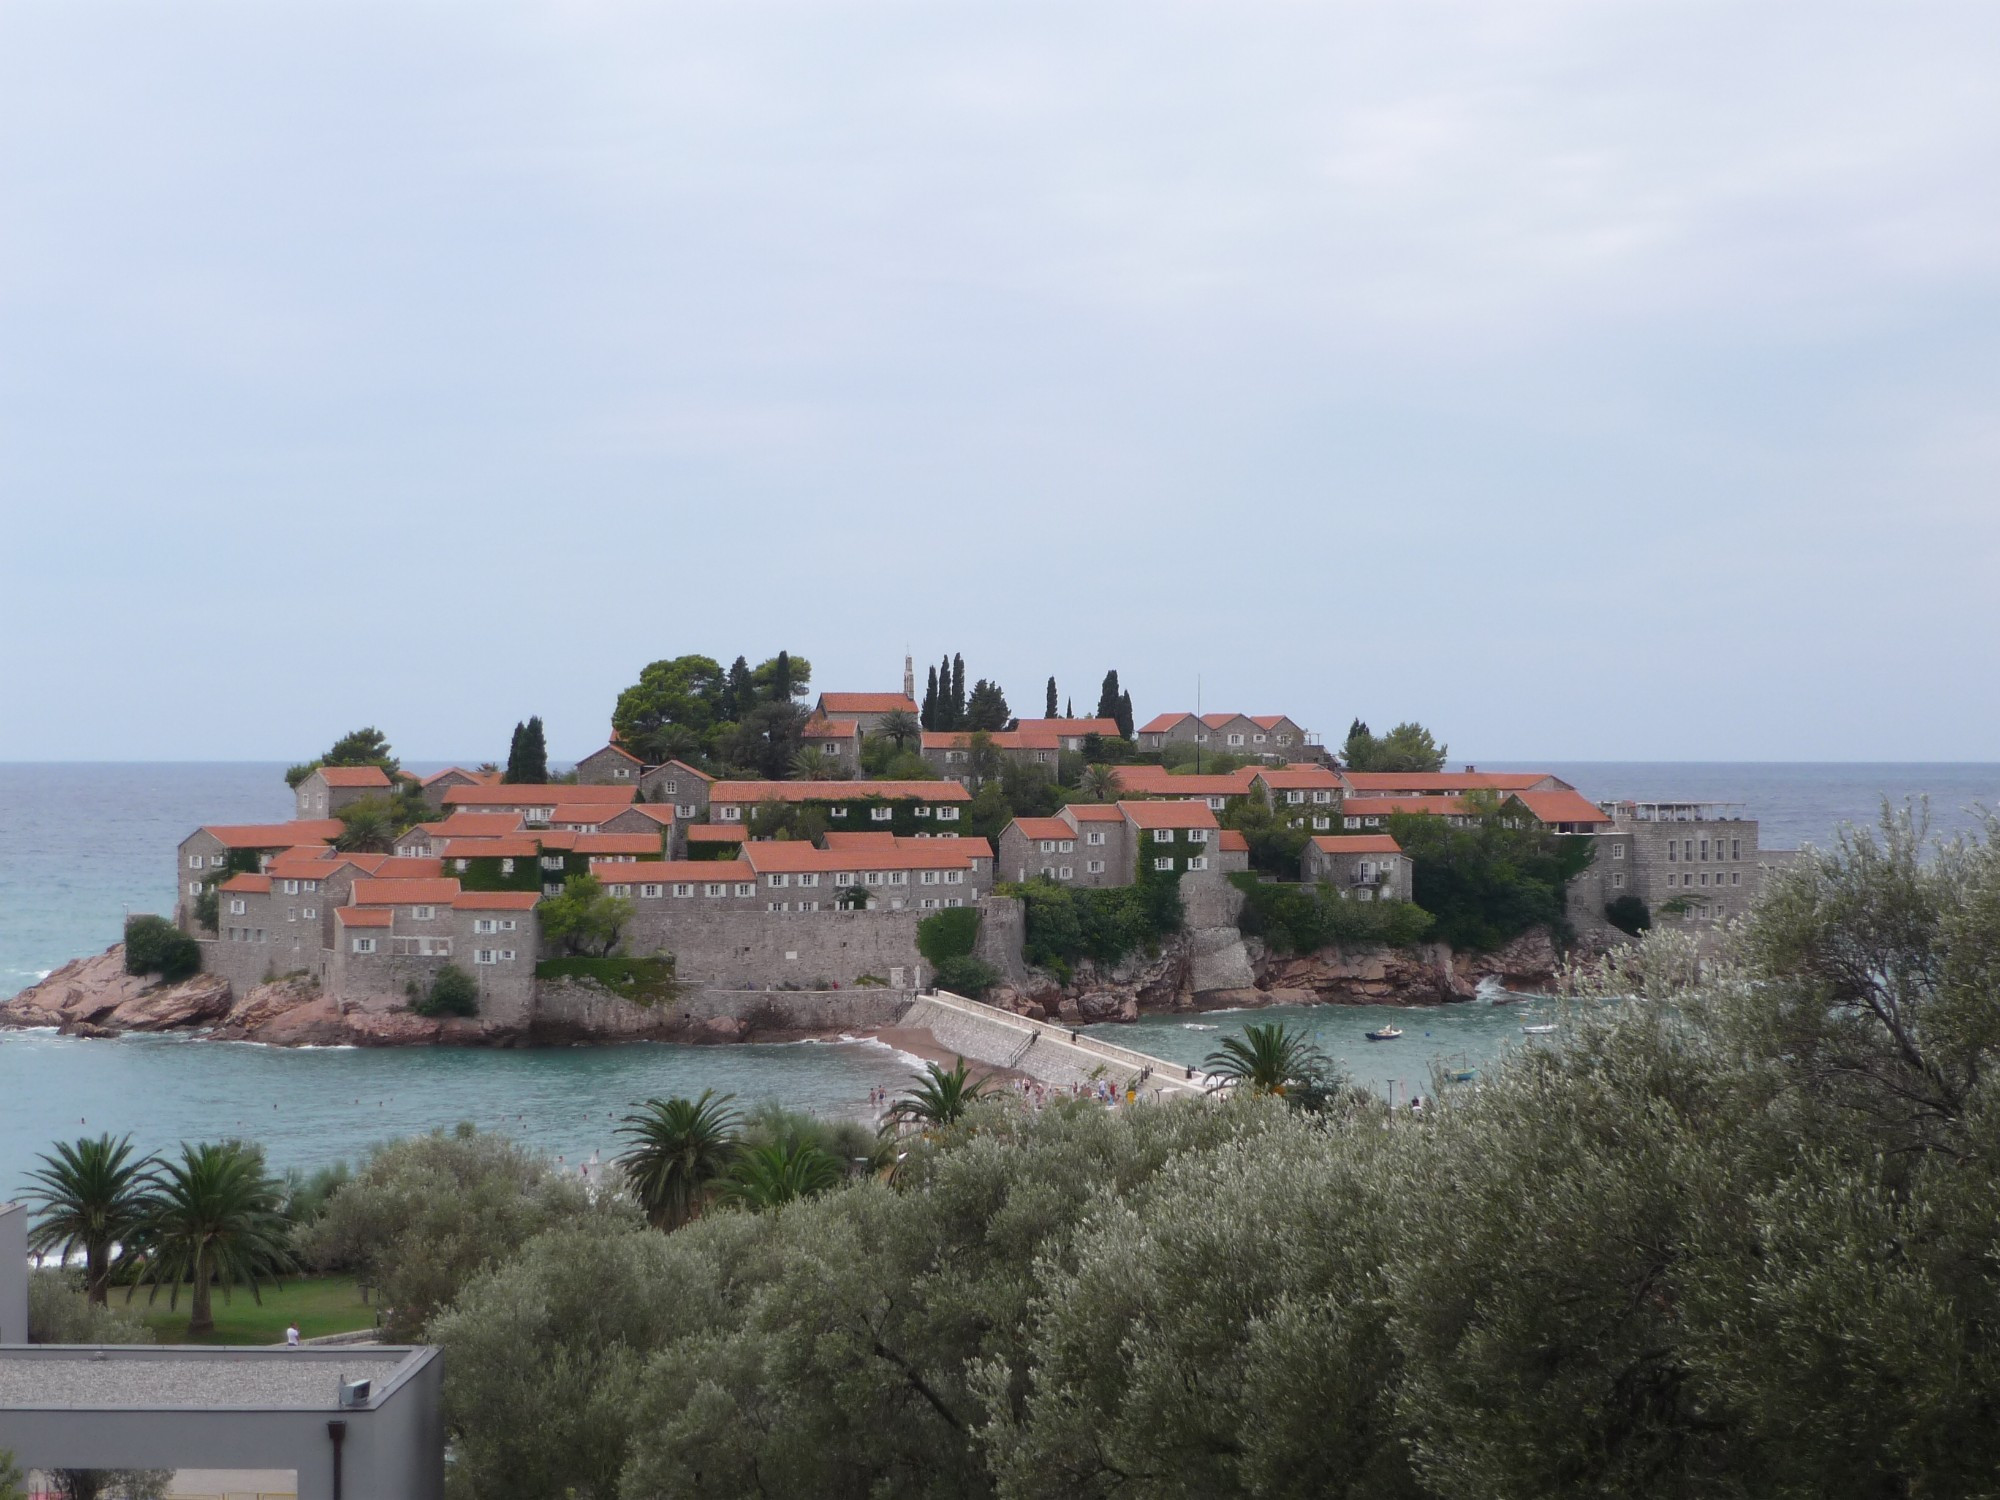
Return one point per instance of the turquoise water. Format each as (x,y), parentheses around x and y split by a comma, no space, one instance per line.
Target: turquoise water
(313,1106)
(1449,1036)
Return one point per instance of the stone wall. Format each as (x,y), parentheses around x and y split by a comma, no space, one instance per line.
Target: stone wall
(567,1010)
(731,949)
(1041,1051)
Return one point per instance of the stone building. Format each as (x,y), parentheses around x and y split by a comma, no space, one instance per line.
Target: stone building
(212,853)
(327,789)
(1095,845)
(949,752)
(837,739)
(866,710)
(1361,866)
(681,787)
(614,765)
(1272,737)
(906,807)
(1071,734)
(1216,791)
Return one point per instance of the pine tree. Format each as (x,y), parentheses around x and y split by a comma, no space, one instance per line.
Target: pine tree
(1069,708)
(987,707)
(944,719)
(957,691)
(928,718)
(739,692)
(1107,697)
(1124,715)
(1050,711)
(513,773)
(781,679)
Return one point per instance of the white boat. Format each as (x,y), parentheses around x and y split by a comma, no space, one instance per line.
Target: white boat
(1542,1030)
(1386,1034)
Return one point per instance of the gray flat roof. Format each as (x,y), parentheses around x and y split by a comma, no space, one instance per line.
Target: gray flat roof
(80,1377)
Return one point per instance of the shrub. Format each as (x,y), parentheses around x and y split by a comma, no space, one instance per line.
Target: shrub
(1065,925)
(453,993)
(1491,881)
(60,1312)
(948,934)
(643,981)
(153,945)
(965,975)
(1628,914)
(1305,918)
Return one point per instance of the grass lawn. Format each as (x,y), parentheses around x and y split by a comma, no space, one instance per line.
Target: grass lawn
(319,1304)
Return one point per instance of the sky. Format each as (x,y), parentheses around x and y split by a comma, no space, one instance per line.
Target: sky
(1584,380)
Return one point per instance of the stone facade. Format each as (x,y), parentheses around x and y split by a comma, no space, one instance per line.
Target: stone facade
(1366,868)
(727,944)
(681,787)
(328,789)
(1269,737)
(612,766)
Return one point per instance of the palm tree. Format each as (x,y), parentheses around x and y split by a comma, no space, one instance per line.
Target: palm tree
(780,1172)
(1266,1060)
(367,827)
(900,725)
(216,1215)
(812,764)
(1100,783)
(92,1196)
(680,1149)
(941,1098)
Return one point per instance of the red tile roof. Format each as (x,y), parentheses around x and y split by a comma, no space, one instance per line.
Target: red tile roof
(355,916)
(505,794)
(681,765)
(771,856)
(259,884)
(1158,781)
(659,812)
(1232,841)
(830,729)
(615,749)
(617,843)
(405,892)
(275,835)
(1357,843)
(1382,807)
(364,776)
(865,703)
(514,846)
(1561,807)
(1302,778)
(1107,728)
(1168,814)
(837,791)
(1095,812)
(1044,828)
(406,867)
(495,901)
(1161,723)
(1003,739)
(475,825)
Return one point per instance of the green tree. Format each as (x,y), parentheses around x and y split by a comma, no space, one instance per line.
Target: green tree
(987,707)
(681,1149)
(1049,701)
(585,918)
(928,717)
(109,1484)
(367,826)
(60,1312)
(900,726)
(1124,716)
(91,1196)
(777,1173)
(1407,747)
(1099,784)
(939,1098)
(671,707)
(358,747)
(1493,880)
(424,1214)
(765,740)
(528,755)
(153,945)
(814,764)
(453,992)
(1273,1059)
(13,1483)
(214,1216)
(1277,843)
(1628,914)
(983,760)
(784,679)
(958,701)
(1108,696)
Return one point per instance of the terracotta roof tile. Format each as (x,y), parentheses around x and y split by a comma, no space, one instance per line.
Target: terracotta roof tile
(1382,807)
(1357,843)
(1095,812)
(1161,723)
(683,870)
(514,846)
(865,703)
(1105,728)
(1168,814)
(405,892)
(406,867)
(1424,782)
(359,916)
(1302,778)
(475,825)
(1231,841)
(257,884)
(618,750)
(1561,807)
(504,794)
(768,856)
(830,729)
(1044,828)
(1158,781)
(354,776)
(617,843)
(275,835)
(716,833)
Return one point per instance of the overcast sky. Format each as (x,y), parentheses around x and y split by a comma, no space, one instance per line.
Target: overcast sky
(1587,381)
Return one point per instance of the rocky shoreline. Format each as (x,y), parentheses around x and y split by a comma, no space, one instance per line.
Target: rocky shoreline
(1208,969)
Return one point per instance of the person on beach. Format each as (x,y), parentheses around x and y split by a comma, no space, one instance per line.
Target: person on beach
(291,1336)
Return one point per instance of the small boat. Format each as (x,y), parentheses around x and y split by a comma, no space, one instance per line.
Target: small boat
(1465,1075)
(1543,1030)
(1385,1034)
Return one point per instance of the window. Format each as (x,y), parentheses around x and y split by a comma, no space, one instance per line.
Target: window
(954,877)
(1048,846)
(923,812)
(777,906)
(899,877)
(1197,835)
(1673,850)
(777,881)
(1687,849)
(927,903)
(734,814)
(1687,880)
(483,924)
(1322,822)
(1163,835)
(552,861)
(947,814)
(836,812)
(364,945)
(881,814)
(650,890)
(715,890)
(954,901)
(310,913)
(217,861)
(485,956)
(873,877)
(194,887)
(1096,867)
(423,913)
(1704,848)
(291,914)
(236,908)
(460,865)
(1617,851)
(808,906)
(1617,879)
(1736,877)
(506,867)
(1351,822)
(194,861)
(1736,848)
(746,888)
(1199,862)
(1066,846)
(1236,739)
(291,887)
(1067,872)
(684,810)
(621,771)
(1095,837)
(1704,877)
(1256,739)
(684,889)
(1295,797)
(928,877)
(1284,739)
(1163,864)
(1322,796)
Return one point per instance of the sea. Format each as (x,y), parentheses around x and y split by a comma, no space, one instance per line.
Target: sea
(84,845)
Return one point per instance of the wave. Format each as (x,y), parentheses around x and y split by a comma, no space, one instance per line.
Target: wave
(1197,1026)
(908,1059)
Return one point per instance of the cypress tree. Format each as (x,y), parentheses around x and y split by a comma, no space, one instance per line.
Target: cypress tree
(944,719)
(957,691)
(1107,697)
(513,772)
(534,753)
(739,692)
(1050,712)
(1069,708)
(928,718)
(1124,715)
(781,678)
